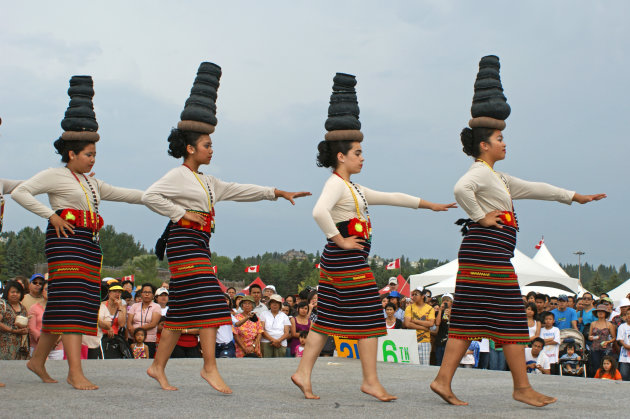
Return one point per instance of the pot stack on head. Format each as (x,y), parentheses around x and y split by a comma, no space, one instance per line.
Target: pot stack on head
(79,122)
(343,113)
(489,108)
(199,114)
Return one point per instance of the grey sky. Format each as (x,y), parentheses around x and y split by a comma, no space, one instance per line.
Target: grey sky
(564,70)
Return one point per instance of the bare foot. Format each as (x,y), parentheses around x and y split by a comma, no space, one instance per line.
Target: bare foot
(159,376)
(531,397)
(377,390)
(79,382)
(41,372)
(446,394)
(306,388)
(216,381)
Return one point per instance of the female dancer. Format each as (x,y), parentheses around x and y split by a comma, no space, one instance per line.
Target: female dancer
(188,197)
(488,301)
(72,247)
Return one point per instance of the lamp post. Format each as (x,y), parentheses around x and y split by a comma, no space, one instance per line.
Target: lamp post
(579,254)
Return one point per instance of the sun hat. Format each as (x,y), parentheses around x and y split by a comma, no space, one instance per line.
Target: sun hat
(275,297)
(625,302)
(247,298)
(116,288)
(602,307)
(448,295)
(271,287)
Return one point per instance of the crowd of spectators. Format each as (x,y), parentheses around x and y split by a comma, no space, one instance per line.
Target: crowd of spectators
(569,335)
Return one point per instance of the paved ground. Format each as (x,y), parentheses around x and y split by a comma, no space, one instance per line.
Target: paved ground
(262,388)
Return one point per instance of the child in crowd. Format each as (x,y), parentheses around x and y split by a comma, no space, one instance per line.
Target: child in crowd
(608,370)
(570,360)
(300,349)
(623,338)
(551,336)
(470,358)
(139,349)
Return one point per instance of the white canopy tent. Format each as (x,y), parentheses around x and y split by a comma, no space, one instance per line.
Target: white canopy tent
(620,292)
(543,256)
(531,276)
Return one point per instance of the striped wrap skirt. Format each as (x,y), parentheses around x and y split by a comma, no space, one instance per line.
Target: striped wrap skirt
(74,282)
(195,298)
(488,301)
(348,303)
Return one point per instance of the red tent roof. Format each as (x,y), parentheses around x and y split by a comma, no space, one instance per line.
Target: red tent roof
(403,287)
(255,281)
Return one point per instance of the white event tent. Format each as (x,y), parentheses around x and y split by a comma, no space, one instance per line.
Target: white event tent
(543,275)
(620,292)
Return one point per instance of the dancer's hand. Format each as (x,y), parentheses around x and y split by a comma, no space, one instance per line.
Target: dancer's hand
(583,199)
(61,225)
(290,196)
(492,219)
(348,243)
(436,207)
(195,218)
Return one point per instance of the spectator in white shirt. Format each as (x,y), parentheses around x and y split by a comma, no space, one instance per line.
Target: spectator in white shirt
(276,326)
(536,361)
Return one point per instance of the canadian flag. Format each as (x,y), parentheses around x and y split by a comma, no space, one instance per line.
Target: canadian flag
(393,265)
(255,268)
(128,278)
(214,269)
(317,266)
(540,243)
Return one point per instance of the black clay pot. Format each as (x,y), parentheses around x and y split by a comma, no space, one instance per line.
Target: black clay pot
(80,112)
(79,124)
(342,122)
(342,108)
(198,113)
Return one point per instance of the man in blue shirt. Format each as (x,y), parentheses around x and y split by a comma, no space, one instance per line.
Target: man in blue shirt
(566,317)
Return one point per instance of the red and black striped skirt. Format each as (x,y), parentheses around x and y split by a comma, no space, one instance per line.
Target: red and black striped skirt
(348,302)
(195,298)
(488,301)
(74,282)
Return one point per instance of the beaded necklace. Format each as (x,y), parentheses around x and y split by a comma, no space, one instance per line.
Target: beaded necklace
(356,203)
(209,195)
(93,213)
(505,185)
(1,211)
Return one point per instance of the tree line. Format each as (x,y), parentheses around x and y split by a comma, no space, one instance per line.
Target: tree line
(289,272)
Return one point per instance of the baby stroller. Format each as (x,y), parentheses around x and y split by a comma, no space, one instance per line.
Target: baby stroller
(575,337)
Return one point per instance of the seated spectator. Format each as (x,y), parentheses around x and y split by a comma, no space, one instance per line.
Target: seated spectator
(569,361)
(394,298)
(601,335)
(299,324)
(299,350)
(421,316)
(536,361)
(470,357)
(146,314)
(551,336)
(391,322)
(247,330)
(34,289)
(442,321)
(565,316)
(224,346)
(35,316)
(276,329)
(608,370)
(13,323)
(532,324)
(619,319)
(623,338)
(139,349)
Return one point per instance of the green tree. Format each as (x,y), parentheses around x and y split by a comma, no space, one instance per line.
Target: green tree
(118,248)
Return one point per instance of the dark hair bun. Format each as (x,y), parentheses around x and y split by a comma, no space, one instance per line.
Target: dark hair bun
(60,145)
(176,144)
(466,138)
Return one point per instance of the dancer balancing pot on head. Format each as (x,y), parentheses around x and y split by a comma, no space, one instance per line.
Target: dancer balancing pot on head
(348,300)
(72,244)
(488,300)
(188,197)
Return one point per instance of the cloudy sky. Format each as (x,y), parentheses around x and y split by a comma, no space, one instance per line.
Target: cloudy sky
(564,70)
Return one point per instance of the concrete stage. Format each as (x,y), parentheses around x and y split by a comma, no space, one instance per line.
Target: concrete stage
(262,388)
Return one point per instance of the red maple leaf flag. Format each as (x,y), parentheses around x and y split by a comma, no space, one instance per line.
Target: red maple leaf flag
(128,278)
(540,243)
(393,265)
(254,268)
